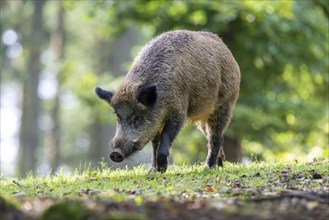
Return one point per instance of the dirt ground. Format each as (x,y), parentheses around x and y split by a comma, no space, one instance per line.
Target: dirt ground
(288,205)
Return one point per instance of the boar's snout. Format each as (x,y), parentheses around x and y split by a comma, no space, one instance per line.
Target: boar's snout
(122,148)
(117,156)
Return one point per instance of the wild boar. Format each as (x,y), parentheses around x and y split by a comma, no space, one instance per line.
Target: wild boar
(178,76)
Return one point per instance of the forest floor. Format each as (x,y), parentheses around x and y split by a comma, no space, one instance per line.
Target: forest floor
(256,190)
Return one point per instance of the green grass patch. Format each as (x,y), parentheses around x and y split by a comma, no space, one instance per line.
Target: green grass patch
(177,182)
(137,187)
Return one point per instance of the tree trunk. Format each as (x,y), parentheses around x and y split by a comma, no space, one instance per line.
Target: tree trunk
(101,132)
(232,149)
(29,131)
(99,142)
(110,58)
(57,46)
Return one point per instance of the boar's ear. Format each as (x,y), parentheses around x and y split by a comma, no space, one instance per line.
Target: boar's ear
(147,95)
(103,94)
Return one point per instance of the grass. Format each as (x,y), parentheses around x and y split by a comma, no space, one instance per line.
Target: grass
(139,188)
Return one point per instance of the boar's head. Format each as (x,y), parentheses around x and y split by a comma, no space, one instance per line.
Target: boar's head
(138,117)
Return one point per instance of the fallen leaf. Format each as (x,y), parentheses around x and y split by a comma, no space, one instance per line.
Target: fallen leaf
(132,191)
(87,192)
(17,183)
(217,179)
(311,205)
(209,188)
(237,184)
(316,176)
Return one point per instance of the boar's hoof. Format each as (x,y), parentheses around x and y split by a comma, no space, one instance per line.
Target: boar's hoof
(162,163)
(220,162)
(116,157)
(162,169)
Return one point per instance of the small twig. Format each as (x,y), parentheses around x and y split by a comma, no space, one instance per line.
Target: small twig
(323,198)
(17,183)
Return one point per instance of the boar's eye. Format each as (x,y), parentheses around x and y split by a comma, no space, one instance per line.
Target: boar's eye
(138,120)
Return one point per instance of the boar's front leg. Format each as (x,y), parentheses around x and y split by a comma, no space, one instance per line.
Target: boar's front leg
(170,131)
(155,145)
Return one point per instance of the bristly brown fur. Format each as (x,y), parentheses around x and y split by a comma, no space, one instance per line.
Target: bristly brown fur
(197,80)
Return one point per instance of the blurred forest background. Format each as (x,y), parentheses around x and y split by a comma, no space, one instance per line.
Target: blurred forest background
(54,53)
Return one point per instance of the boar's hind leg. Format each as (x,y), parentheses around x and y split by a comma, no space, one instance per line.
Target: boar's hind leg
(217,124)
(155,145)
(170,131)
(214,147)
